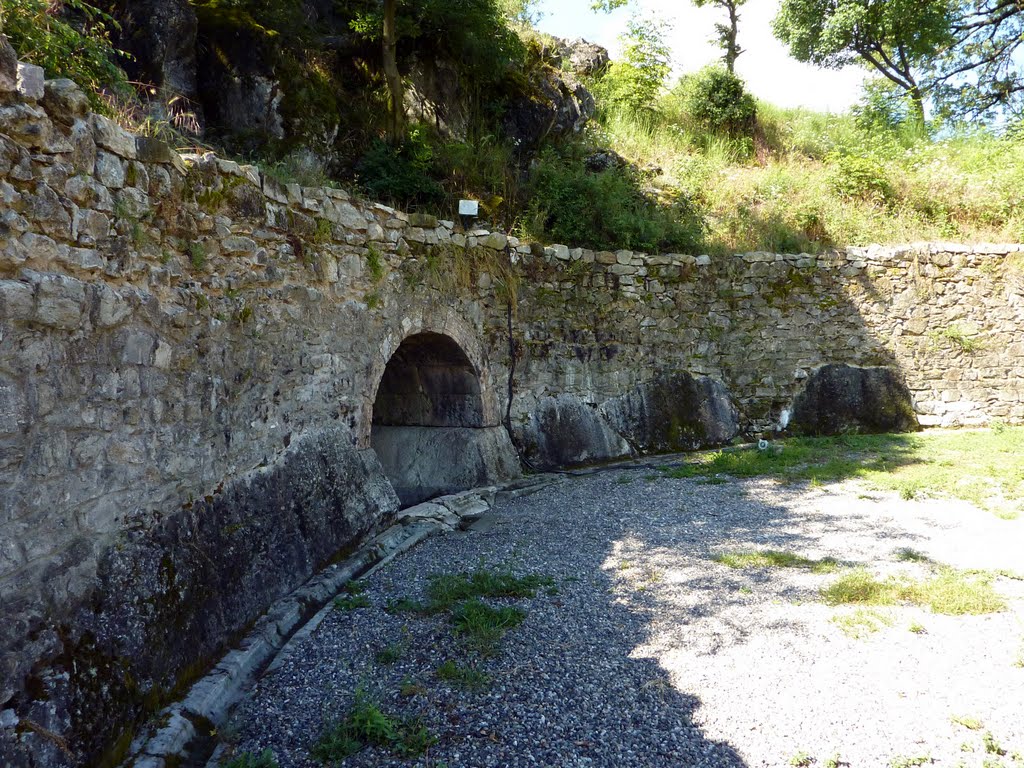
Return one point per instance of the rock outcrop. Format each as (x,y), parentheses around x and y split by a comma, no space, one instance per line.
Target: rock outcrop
(845,398)
(674,412)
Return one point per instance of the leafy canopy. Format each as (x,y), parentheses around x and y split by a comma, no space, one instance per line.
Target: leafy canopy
(894,37)
(67,39)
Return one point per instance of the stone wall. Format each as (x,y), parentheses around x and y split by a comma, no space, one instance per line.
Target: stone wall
(190,352)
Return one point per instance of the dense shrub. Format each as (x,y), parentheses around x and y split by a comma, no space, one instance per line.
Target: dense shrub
(857,177)
(67,38)
(605,210)
(634,83)
(400,174)
(716,100)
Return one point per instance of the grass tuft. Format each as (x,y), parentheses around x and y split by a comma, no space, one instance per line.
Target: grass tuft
(950,592)
(984,467)
(971,723)
(482,625)
(364,725)
(862,622)
(771,558)
(466,677)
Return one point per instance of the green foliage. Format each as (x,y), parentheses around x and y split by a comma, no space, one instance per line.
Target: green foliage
(716,100)
(950,592)
(775,559)
(466,677)
(446,590)
(197,255)
(606,210)
(483,625)
(265,759)
(635,81)
(856,177)
(400,174)
(67,38)
(896,37)
(883,106)
(366,724)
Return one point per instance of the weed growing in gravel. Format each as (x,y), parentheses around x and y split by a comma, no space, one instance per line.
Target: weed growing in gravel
(901,761)
(917,628)
(390,653)
(862,622)
(445,590)
(992,747)
(1019,661)
(908,555)
(770,558)
(971,723)
(465,677)
(351,602)
(834,762)
(353,597)
(483,625)
(801,759)
(366,724)
(264,759)
(949,591)
(984,467)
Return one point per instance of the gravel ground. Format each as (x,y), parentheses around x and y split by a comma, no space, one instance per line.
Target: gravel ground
(652,654)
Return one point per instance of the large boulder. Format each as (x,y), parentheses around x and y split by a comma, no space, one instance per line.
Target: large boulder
(8,67)
(564,431)
(845,398)
(674,412)
(558,107)
(584,58)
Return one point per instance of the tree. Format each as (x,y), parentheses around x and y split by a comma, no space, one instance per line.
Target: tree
(727,32)
(979,73)
(636,81)
(894,37)
(396,90)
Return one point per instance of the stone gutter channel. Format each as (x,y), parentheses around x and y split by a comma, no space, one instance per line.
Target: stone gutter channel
(183,734)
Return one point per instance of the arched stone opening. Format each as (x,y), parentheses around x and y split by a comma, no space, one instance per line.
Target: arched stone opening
(429,428)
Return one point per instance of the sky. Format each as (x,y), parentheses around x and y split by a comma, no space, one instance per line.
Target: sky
(766,67)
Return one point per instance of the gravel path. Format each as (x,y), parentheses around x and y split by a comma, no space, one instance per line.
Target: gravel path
(652,654)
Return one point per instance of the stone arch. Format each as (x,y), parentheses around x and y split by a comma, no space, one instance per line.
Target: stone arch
(432,320)
(433,419)
(429,382)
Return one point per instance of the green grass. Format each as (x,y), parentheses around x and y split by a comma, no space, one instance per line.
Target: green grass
(770,558)
(364,725)
(351,602)
(445,590)
(902,761)
(479,624)
(483,626)
(814,180)
(992,746)
(389,654)
(466,677)
(908,555)
(862,622)
(970,723)
(948,591)
(801,760)
(984,467)
(264,759)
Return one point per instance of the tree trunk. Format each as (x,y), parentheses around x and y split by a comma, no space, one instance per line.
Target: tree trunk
(916,105)
(396,92)
(732,50)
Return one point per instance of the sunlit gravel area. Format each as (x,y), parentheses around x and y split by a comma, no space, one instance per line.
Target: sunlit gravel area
(648,652)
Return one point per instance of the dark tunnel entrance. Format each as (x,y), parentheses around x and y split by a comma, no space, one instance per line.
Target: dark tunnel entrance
(429,429)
